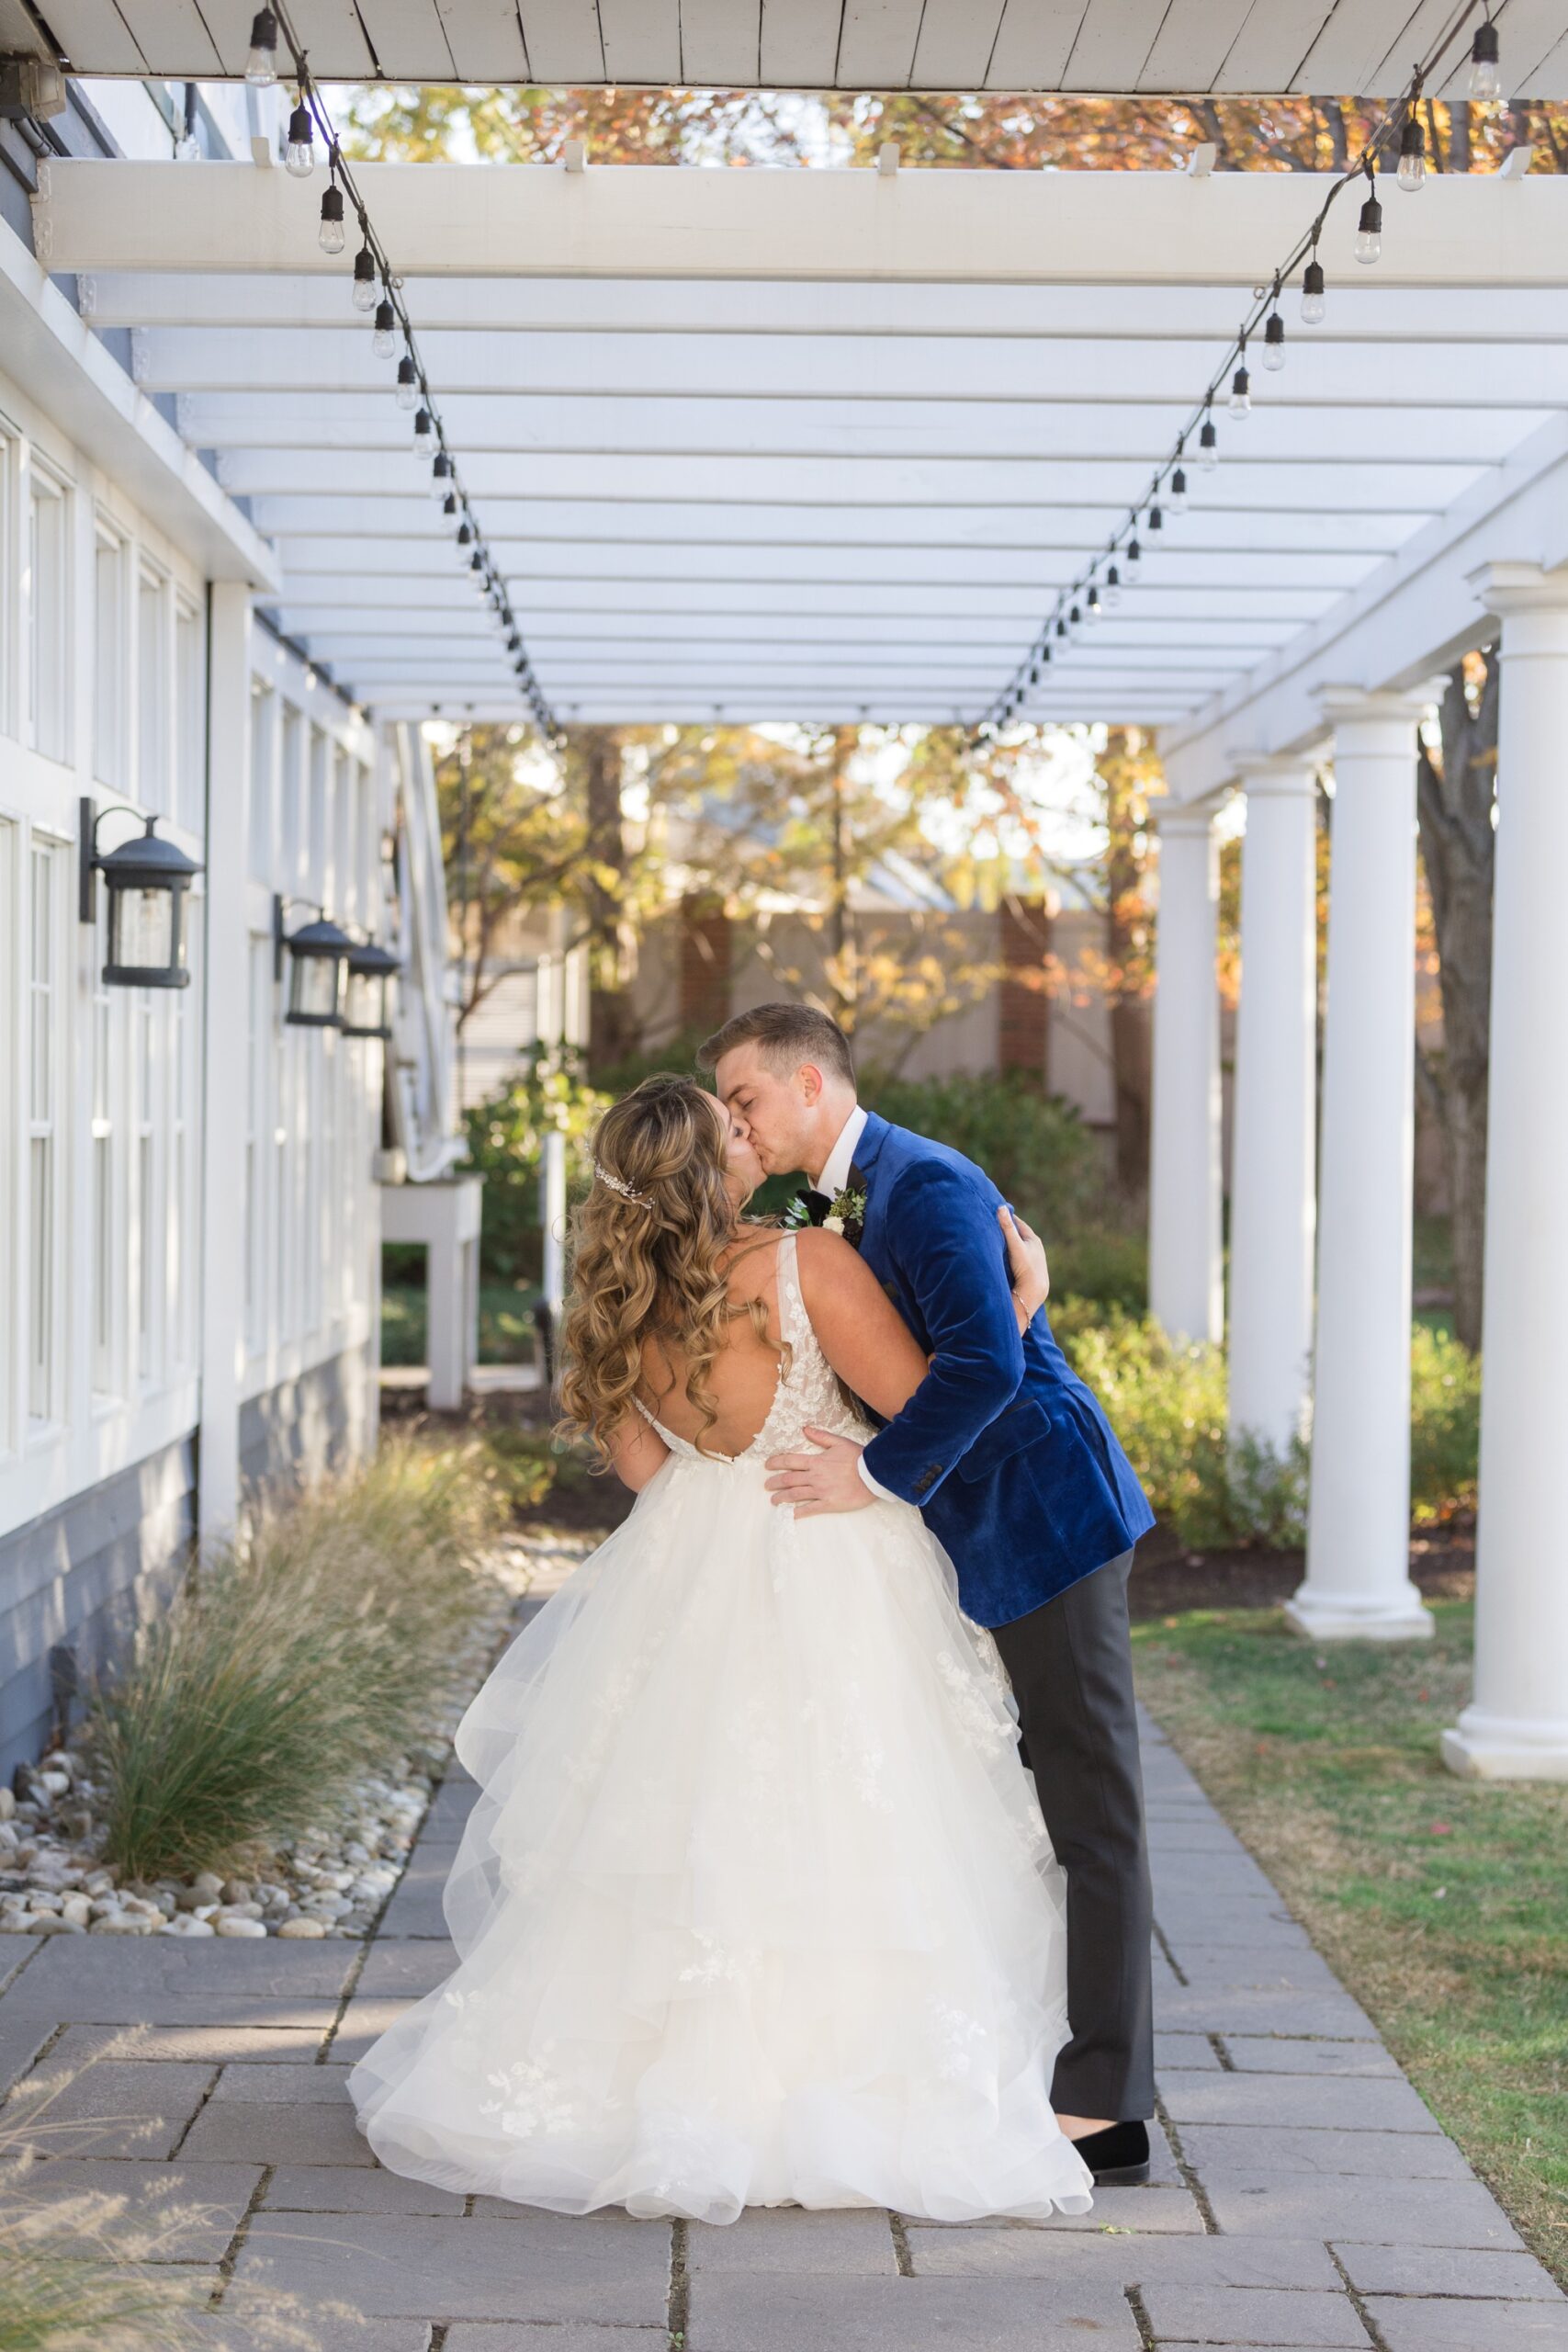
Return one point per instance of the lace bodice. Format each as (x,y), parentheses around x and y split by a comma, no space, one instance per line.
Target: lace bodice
(808,1395)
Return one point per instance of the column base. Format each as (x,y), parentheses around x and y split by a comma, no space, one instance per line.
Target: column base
(1400,1616)
(1507,1747)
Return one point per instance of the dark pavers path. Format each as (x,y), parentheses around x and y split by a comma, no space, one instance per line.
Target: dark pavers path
(1304,2196)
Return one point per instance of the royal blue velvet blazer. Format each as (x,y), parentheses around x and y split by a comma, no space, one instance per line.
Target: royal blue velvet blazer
(1005,1452)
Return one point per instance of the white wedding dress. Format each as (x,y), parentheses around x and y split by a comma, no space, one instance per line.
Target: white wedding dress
(755,1905)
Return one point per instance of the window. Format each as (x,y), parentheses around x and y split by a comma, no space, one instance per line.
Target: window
(11,1252)
(152,673)
(109,649)
(260,1043)
(47,595)
(106,1253)
(180,1223)
(262,748)
(190,719)
(8,595)
(44,1139)
(289,801)
(322,764)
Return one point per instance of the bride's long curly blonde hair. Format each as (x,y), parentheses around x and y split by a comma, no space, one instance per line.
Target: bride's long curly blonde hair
(650,1254)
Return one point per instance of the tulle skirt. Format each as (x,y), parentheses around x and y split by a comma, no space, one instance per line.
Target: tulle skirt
(755,1904)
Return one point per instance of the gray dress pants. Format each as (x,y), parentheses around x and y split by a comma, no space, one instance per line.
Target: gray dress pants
(1070,1665)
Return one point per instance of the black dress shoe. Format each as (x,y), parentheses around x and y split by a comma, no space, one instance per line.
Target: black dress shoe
(1118,2157)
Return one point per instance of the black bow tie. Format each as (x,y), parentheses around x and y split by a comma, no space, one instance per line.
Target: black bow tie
(817,1204)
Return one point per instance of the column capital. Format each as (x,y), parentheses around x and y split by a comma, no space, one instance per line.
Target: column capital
(1506,588)
(1284,775)
(1343,705)
(1189,819)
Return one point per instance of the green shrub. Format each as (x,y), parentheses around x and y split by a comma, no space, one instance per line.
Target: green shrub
(1444,1426)
(506,1137)
(1168,1405)
(292,1662)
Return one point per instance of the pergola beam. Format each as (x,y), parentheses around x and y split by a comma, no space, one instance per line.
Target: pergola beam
(284,361)
(972,227)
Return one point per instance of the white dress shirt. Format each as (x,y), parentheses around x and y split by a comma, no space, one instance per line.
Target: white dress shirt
(833,1180)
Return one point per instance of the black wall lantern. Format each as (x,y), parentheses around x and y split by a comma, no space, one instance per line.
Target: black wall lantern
(367,1011)
(319,954)
(148,880)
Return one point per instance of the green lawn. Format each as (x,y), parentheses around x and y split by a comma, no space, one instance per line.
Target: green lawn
(506,1323)
(1442,1903)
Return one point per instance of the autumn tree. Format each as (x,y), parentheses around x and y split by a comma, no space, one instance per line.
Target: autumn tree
(1457,786)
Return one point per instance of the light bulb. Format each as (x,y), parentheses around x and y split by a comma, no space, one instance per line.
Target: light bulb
(1175,496)
(1093,604)
(1369,231)
(1485,81)
(332,219)
(1412,172)
(1155,521)
(299,155)
(384,341)
(424,433)
(1061,632)
(1207,447)
(1311,294)
(465,541)
(1074,620)
(364,281)
(450,511)
(441,478)
(477,572)
(260,65)
(1135,562)
(407,383)
(1241,394)
(1113,588)
(1274,342)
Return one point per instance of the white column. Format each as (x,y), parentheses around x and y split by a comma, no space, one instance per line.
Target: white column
(225,1058)
(1186,1284)
(1517,1724)
(1274,1133)
(1357,1580)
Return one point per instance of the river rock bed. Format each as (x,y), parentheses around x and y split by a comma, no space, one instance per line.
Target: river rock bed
(332,1879)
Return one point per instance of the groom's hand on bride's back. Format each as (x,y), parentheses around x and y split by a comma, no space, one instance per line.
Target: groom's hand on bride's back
(827,1480)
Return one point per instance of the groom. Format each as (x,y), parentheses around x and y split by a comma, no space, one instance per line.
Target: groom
(1017,1472)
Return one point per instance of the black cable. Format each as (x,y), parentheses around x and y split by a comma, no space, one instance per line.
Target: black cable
(1391,123)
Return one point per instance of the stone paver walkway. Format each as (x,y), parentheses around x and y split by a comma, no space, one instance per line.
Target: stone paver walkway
(1304,2195)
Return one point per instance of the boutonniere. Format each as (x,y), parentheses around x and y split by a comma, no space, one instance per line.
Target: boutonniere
(846,1215)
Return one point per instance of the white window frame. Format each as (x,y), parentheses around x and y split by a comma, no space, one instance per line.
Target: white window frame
(48,1136)
(49,615)
(190,715)
(111,657)
(153,700)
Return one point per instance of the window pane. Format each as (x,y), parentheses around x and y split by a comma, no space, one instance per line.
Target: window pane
(109,664)
(40,1259)
(190,761)
(48,678)
(153,693)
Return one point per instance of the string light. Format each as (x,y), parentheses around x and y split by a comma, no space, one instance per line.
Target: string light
(299,155)
(260,65)
(1369,228)
(1485,81)
(1241,384)
(1412,172)
(1313,305)
(376,290)
(1398,128)
(332,231)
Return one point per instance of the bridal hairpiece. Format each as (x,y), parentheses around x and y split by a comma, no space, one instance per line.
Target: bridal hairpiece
(618,1185)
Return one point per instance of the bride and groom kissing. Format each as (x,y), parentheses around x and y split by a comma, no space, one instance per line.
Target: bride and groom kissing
(755,1904)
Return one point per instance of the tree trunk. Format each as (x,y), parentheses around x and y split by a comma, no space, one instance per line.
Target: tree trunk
(1127,951)
(1458,851)
(612,1029)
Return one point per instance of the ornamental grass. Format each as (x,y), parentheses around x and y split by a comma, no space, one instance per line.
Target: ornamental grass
(95,2271)
(291,1662)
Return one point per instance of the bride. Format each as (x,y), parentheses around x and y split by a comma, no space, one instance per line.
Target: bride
(755,1905)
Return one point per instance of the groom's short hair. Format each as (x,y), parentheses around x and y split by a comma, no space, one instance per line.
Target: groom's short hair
(785,1035)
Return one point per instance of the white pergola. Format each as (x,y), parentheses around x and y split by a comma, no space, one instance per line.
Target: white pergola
(1147,47)
(820,445)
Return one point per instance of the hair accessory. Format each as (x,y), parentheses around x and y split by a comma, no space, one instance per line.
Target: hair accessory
(617,1184)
